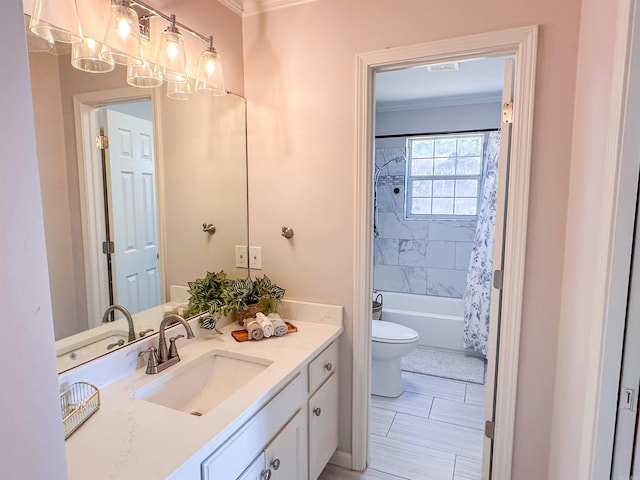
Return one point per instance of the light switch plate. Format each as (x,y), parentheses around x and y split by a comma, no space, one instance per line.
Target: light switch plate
(242,256)
(255,258)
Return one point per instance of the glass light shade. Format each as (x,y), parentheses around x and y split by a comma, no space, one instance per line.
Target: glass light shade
(57,20)
(123,36)
(143,75)
(179,90)
(171,59)
(89,56)
(209,79)
(36,43)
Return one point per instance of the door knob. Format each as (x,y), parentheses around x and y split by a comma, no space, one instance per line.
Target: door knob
(275,464)
(328,367)
(317,411)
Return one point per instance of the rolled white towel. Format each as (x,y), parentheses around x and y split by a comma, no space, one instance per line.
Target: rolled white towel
(265,323)
(254,330)
(279,327)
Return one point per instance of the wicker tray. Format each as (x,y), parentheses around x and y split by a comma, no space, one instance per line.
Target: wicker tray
(78,403)
(243,335)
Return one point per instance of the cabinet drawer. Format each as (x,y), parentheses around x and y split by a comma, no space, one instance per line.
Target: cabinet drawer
(232,458)
(323,366)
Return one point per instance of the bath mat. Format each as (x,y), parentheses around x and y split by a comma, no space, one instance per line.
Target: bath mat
(445,363)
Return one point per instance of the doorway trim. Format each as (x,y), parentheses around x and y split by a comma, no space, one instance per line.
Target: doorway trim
(91,197)
(521,42)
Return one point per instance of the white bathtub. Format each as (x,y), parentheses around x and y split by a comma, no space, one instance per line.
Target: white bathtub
(438,320)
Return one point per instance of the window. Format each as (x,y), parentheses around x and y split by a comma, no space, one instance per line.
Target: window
(444,174)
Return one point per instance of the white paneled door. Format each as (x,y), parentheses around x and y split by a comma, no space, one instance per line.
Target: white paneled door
(133,213)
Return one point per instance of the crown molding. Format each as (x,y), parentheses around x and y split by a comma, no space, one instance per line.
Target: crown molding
(436,102)
(254,7)
(236,6)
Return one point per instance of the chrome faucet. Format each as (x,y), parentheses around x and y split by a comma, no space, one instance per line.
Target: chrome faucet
(165,357)
(127,315)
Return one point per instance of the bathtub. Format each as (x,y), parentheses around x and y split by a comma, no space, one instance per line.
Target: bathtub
(438,320)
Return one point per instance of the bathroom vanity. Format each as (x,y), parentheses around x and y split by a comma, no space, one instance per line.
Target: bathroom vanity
(251,410)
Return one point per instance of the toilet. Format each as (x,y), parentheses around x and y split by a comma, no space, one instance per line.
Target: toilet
(389,343)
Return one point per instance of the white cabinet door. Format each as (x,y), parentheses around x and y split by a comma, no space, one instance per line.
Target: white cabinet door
(287,454)
(255,471)
(323,426)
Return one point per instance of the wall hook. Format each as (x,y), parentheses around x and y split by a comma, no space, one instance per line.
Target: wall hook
(287,232)
(208,228)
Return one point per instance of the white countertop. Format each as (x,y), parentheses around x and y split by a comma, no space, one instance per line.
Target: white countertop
(130,438)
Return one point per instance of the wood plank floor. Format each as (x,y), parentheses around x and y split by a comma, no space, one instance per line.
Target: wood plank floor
(433,431)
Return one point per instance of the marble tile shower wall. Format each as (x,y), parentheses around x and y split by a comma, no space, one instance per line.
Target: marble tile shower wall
(415,256)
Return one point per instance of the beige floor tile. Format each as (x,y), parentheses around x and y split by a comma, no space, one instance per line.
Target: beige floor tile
(410,460)
(409,402)
(438,435)
(380,421)
(467,468)
(458,413)
(434,386)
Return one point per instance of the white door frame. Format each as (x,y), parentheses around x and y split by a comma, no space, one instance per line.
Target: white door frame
(521,42)
(91,195)
(613,258)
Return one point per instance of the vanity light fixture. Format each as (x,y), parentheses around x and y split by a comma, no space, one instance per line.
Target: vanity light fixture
(171,58)
(123,34)
(122,44)
(90,56)
(209,79)
(64,12)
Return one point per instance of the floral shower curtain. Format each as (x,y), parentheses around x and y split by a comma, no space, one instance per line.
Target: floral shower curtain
(477,295)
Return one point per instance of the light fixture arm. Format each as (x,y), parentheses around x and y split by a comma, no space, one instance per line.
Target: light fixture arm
(172,20)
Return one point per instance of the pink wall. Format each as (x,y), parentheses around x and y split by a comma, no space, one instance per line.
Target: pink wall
(31,440)
(300,83)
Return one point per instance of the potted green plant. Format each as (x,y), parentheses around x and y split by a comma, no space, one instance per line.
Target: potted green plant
(207,295)
(246,297)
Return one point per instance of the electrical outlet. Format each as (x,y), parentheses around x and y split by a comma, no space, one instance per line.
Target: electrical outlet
(242,256)
(255,258)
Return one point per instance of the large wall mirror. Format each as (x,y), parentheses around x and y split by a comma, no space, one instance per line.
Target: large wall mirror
(164,203)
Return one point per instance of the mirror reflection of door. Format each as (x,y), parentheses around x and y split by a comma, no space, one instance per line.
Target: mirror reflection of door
(131,209)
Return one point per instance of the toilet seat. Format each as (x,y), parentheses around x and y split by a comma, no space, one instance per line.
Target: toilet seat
(389,332)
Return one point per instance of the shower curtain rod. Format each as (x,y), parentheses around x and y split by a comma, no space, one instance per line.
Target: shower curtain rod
(400,135)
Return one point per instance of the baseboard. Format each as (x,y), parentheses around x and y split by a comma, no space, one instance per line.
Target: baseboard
(341,459)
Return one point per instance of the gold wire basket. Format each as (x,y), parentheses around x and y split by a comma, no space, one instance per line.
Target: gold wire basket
(78,403)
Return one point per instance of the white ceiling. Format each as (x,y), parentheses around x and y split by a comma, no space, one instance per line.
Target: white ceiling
(475,78)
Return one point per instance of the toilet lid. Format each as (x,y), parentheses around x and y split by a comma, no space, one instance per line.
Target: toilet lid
(389,332)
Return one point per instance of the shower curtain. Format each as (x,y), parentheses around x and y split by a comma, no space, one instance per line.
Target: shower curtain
(477,295)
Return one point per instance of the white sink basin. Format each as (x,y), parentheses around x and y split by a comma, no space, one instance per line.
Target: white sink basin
(196,388)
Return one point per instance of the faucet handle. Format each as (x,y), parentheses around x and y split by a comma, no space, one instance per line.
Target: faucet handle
(152,362)
(173,350)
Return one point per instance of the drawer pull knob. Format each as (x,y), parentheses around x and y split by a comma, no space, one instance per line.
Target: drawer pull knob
(328,367)
(275,464)
(265,475)
(317,411)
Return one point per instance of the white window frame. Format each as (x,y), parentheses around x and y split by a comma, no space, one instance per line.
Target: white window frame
(410,178)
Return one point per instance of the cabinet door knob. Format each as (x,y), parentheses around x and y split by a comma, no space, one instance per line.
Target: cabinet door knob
(317,411)
(275,464)
(328,367)
(265,475)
